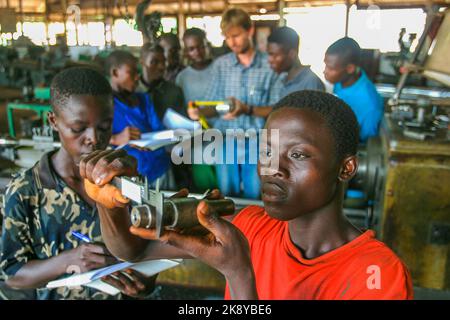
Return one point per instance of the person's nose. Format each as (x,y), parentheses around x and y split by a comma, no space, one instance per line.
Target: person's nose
(92,137)
(273,166)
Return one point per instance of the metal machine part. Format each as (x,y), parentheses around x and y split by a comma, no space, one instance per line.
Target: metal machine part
(26,152)
(221,107)
(178,213)
(420,56)
(413,209)
(412,93)
(422,120)
(404,182)
(224,108)
(370,166)
(413,202)
(368,181)
(430,60)
(152,208)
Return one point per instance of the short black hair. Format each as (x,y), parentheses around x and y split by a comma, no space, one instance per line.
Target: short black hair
(118,58)
(172,39)
(347,49)
(195,32)
(338,116)
(151,48)
(286,37)
(74,81)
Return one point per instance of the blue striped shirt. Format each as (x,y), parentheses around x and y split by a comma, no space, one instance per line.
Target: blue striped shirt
(255,85)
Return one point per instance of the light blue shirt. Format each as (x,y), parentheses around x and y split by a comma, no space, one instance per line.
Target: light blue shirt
(194,83)
(254,85)
(366,103)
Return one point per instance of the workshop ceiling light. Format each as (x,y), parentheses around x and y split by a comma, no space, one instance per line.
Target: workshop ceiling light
(265,17)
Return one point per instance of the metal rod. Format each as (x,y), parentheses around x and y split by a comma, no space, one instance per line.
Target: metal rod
(413,60)
(239,202)
(347,13)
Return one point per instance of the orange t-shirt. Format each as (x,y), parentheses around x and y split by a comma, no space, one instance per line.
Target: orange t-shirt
(364,268)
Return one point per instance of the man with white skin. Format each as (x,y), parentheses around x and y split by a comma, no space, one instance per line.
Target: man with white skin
(245,75)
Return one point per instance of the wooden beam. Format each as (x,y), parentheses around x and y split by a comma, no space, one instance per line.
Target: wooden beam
(181,19)
(281,6)
(21,12)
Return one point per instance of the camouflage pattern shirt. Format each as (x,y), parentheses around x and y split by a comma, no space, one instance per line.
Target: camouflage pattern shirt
(40,214)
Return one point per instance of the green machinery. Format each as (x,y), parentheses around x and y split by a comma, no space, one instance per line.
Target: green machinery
(40,106)
(40,109)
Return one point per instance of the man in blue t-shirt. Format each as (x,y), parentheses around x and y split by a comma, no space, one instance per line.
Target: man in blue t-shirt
(352,85)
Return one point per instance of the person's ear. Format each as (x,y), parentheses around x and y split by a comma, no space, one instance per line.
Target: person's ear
(51,117)
(251,31)
(207,50)
(292,54)
(351,68)
(114,72)
(349,166)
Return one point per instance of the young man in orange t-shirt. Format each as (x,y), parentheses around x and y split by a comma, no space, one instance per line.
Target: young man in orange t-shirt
(300,245)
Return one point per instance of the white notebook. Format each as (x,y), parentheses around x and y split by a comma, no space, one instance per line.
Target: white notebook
(165,138)
(92,278)
(174,120)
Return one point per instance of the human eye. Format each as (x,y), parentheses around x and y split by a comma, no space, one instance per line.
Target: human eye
(265,152)
(77,130)
(299,155)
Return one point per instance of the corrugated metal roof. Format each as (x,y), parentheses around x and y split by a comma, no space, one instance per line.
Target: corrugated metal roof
(172,7)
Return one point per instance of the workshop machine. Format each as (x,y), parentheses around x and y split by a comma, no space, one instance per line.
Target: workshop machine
(405,173)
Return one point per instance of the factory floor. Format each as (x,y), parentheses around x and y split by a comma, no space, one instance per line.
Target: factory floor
(172,292)
(9,95)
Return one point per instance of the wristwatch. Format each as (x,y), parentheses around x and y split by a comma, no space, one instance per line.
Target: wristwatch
(250,110)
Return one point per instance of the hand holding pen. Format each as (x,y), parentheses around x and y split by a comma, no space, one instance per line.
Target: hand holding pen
(129,281)
(88,256)
(81,237)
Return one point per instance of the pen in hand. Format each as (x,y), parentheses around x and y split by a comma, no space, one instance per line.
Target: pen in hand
(81,237)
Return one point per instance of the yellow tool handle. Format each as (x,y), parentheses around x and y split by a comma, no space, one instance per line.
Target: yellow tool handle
(208,103)
(202,119)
